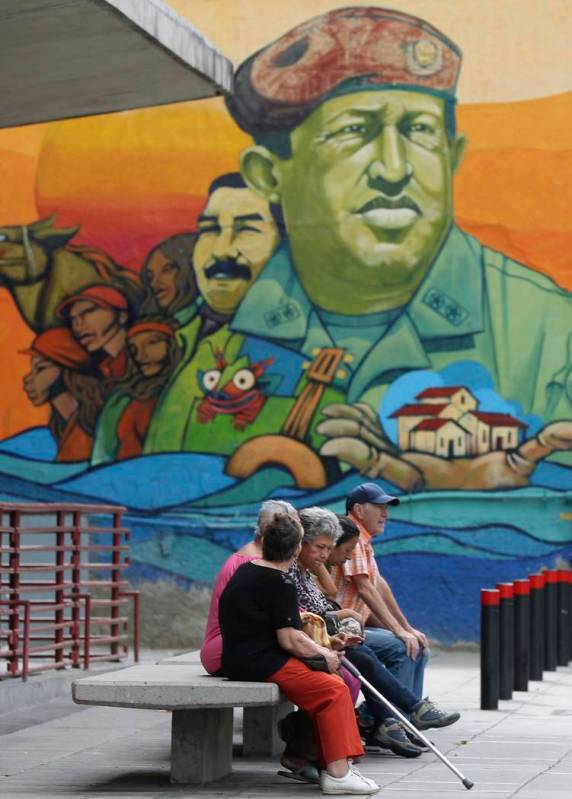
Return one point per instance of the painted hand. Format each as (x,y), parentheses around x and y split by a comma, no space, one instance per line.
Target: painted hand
(356,437)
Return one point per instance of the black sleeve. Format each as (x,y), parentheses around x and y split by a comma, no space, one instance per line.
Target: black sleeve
(283,605)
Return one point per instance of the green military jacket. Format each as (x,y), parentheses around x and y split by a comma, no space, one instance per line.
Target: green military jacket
(474,305)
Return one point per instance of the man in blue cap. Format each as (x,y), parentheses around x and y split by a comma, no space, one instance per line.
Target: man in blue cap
(401,647)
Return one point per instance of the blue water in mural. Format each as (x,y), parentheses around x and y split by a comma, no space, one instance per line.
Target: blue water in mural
(438,550)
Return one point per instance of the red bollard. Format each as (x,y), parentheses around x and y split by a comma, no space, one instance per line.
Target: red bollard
(569,580)
(550,620)
(506,631)
(490,646)
(536,626)
(562,621)
(521,634)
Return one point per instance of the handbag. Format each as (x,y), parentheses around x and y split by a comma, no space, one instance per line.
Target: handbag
(316,663)
(315,628)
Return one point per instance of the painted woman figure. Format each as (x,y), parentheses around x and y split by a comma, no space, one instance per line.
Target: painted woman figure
(169,279)
(60,375)
(153,354)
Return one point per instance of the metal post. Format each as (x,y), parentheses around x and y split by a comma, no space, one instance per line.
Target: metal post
(536,626)
(136,597)
(562,622)
(115,583)
(521,634)
(490,646)
(59,588)
(550,620)
(76,589)
(87,631)
(26,641)
(14,584)
(569,581)
(506,631)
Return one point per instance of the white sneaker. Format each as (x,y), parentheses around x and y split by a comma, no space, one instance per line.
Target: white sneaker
(352,783)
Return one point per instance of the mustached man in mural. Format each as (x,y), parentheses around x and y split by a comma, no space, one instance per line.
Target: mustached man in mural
(321,279)
(353,117)
(238,231)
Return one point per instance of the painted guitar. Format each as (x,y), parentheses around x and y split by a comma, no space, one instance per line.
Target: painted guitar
(289,449)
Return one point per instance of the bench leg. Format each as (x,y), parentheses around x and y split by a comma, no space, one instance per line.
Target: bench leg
(259,729)
(201,745)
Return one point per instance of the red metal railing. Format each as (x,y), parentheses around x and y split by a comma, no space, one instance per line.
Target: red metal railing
(63,599)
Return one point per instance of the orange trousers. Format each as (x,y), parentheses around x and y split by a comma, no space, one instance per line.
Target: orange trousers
(325,697)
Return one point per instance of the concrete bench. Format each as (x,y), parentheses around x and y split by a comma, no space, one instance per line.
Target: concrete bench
(202,707)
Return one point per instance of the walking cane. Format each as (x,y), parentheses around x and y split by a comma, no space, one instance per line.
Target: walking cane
(404,720)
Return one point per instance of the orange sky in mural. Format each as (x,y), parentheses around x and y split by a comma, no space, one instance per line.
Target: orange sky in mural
(133,178)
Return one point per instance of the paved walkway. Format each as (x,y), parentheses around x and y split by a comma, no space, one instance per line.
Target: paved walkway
(523,750)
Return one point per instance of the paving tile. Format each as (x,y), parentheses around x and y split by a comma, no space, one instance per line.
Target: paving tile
(522,751)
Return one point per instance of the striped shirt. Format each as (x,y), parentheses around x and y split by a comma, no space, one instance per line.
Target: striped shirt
(362,562)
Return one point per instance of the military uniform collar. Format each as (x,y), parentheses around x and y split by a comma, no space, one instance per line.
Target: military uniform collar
(276,305)
(448,304)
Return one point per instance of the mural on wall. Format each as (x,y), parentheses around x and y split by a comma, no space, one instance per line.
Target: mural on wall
(324,319)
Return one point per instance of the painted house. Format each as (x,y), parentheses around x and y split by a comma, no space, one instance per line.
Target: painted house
(409,416)
(458,396)
(443,437)
(445,421)
(491,431)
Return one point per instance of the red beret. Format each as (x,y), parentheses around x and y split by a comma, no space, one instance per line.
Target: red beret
(346,50)
(143,326)
(103,296)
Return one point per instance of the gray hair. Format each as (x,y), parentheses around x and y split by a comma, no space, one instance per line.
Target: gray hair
(268,511)
(319,521)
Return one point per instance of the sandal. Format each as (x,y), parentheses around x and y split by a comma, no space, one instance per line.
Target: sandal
(309,774)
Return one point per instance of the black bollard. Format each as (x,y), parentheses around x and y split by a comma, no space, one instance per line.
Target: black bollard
(562,621)
(569,580)
(550,620)
(490,649)
(521,634)
(506,633)
(536,626)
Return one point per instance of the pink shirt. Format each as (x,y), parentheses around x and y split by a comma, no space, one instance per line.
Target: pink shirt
(211,650)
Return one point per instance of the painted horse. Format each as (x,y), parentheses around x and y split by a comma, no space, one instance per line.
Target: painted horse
(40,268)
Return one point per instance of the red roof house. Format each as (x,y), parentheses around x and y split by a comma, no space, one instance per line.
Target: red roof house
(418,410)
(440,391)
(499,419)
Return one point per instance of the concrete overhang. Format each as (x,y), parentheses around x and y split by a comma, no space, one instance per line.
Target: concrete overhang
(70,58)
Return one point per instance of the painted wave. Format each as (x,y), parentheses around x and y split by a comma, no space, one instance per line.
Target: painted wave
(186,516)
(199,480)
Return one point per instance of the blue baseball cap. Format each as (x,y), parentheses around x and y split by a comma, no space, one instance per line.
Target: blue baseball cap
(369,492)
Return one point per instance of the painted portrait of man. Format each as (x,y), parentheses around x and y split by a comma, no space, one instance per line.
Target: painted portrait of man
(353,117)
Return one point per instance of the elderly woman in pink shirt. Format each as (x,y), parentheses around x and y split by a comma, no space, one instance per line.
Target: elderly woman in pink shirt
(211,650)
